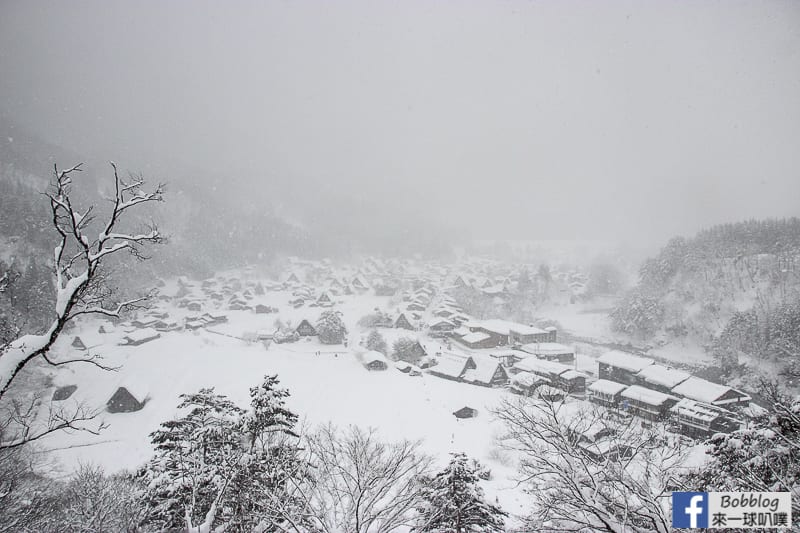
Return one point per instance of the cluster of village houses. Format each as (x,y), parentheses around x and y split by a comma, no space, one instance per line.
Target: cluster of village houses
(451,345)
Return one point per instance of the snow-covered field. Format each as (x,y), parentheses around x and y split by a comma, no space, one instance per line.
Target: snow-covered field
(327,384)
(330,387)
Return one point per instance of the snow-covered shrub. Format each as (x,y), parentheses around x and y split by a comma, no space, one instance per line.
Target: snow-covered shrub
(454,500)
(330,327)
(407,349)
(376,342)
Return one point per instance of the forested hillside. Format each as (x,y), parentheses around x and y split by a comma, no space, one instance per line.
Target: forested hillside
(733,287)
(197,243)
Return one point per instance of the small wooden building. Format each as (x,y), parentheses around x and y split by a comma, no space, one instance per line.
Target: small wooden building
(560,375)
(478,340)
(127,399)
(63,393)
(403,322)
(605,450)
(621,367)
(78,343)
(466,412)
(661,378)
(550,351)
(698,420)
(374,360)
(647,403)
(306,329)
(452,366)
(487,373)
(526,383)
(403,366)
(605,392)
(705,391)
(139,337)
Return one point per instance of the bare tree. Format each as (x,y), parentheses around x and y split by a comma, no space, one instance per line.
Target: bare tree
(81,289)
(21,504)
(589,471)
(358,484)
(93,502)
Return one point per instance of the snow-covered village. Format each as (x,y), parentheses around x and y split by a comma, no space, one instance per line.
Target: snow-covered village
(369,267)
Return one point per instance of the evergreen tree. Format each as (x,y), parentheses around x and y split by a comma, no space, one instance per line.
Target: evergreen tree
(193,460)
(221,461)
(455,503)
(260,492)
(407,349)
(376,342)
(331,328)
(268,413)
(763,457)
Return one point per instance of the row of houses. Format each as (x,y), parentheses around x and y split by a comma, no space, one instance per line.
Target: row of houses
(464,368)
(690,417)
(488,334)
(641,387)
(631,369)
(546,373)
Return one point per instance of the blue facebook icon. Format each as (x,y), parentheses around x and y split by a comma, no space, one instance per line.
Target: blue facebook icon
(689,509)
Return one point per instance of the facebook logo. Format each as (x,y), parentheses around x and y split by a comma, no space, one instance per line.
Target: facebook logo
(689,509)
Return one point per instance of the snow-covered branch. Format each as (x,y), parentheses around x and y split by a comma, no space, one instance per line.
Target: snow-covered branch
(589,471)
(77,261)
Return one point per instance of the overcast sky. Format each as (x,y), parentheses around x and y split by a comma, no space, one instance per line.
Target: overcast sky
(560,119)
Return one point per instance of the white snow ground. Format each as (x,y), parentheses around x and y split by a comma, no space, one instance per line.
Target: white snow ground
(330,387)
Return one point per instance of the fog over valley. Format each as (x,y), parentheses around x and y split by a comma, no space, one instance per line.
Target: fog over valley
(493,120)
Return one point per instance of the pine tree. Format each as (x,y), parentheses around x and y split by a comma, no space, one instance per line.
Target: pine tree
(763,457)
(220,461)
(193,460)
(259,494)
(376,342)
(407,349)
(331,328)
(455,503)
(268,412)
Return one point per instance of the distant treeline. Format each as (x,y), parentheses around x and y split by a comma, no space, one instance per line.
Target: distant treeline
(699,287)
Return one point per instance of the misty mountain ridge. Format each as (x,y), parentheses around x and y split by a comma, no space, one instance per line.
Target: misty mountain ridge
(258,221)
(733,288)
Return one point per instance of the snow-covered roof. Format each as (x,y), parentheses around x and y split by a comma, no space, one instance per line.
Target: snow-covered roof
(505,353)
(624,360)
(494,289)
(475,337)
(571,374)
(661,375)
(138,388)
(648,396)
(700,411)
(604,386)
(600,447)
(142,334)
(547,348)
(439,322)
(528,379)
(532,364)
(504,327)
(483,372)
(373,356)
(705,391)
(402,365)
(450,366)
